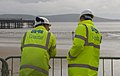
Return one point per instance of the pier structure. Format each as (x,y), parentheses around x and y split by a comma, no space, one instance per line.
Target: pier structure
(15,23)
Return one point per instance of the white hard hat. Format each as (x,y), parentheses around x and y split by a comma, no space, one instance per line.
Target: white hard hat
(87,12)
(41,21)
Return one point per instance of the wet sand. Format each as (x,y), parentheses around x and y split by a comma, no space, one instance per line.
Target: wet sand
(12,48)
(6,51)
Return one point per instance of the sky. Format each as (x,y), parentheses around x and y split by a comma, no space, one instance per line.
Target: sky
(100,8)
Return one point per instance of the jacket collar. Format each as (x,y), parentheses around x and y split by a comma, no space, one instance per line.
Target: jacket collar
(40,27)
(86,22)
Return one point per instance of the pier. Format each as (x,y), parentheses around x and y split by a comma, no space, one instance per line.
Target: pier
(15,23)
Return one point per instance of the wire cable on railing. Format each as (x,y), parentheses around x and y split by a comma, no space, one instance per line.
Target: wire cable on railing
(4,70)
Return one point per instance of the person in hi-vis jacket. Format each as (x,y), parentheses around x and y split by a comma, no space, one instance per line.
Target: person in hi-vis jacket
(83,57)
(37,46)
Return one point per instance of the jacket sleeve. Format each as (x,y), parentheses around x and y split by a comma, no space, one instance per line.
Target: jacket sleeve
(78,42)
(52,50)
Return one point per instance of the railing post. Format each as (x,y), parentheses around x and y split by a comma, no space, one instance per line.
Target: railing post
(112,67)
(103,67)
(12,68)
(72,35)
(61,66)
(53,68)
(4,70)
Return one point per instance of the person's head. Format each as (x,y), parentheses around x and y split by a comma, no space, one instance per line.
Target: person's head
(86,15)
(42,21)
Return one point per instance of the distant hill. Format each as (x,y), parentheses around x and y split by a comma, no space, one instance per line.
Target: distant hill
(54,18)
(17,16)
(74,18)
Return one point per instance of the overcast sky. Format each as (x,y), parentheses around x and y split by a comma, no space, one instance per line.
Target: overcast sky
(101,8)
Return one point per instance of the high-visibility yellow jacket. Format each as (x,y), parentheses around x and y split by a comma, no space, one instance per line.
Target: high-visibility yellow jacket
(83,57)
(37,46)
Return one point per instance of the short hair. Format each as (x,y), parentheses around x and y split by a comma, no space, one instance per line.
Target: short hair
(87,17)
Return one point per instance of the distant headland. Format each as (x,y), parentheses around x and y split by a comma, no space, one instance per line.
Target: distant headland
(55,18)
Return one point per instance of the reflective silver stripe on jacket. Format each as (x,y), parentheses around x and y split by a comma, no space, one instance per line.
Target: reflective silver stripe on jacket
(92,44)
(81,37)
(24,37)
(35,68)
(36,45)
(48,38)
(86,32)
(86,39)
(87,43)
(83,66)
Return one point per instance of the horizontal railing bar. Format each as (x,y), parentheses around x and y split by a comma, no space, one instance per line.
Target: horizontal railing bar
(57,57)
(109,57)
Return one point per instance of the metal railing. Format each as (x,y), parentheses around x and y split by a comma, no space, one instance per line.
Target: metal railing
(4,68)
(112,64)
(52,72)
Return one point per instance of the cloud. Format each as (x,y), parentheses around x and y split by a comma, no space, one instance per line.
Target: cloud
(104,8)
(29,1)
(32,1)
